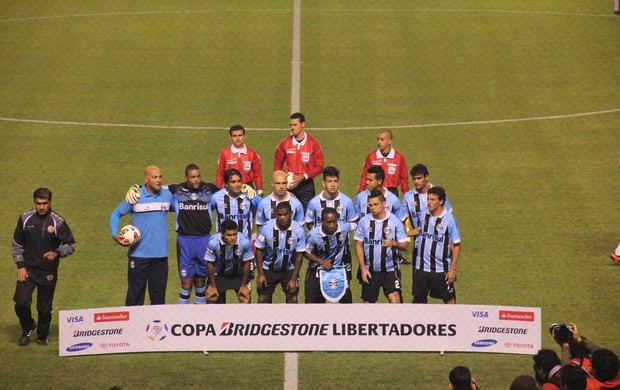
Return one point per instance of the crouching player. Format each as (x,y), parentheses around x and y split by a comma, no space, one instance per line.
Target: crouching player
(229,255)
(326,246)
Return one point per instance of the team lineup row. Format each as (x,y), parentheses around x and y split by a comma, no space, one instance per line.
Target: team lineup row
(277,221)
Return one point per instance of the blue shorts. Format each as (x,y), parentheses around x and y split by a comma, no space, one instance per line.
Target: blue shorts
(191,256)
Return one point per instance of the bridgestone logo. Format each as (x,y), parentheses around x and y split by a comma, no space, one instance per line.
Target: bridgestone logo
(495,329)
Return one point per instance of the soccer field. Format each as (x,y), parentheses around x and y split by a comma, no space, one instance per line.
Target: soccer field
(513,106)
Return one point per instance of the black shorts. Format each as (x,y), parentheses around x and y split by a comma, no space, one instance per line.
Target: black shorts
(225,283)
(273,279)
(305,192)
(433,283)
(389,281)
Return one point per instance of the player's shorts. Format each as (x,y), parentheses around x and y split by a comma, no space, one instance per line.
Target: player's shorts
(273,279)
(312,289)
(305,192)
(389,281)
(190,255)
(225,283)
(433,283)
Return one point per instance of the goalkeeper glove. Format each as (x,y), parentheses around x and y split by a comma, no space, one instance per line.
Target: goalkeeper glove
(133,194)
(248,191)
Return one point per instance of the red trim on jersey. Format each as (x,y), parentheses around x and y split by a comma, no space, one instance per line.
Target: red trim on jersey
(247,163)
(305,158)
(394,166)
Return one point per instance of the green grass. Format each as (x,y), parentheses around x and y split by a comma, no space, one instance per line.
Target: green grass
(537,201)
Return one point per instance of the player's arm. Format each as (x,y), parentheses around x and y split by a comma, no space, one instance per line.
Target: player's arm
(260,279)
(401,246)
(292,284)
(122,209)
(359,252)
(321,262)
(212,295)
(18,251)
(455,247)
(245,295)
(278,160)
(67,242)
(219,170)
(317,161)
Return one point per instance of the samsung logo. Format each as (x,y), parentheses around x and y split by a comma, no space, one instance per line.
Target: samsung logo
(484,343)
(79,347)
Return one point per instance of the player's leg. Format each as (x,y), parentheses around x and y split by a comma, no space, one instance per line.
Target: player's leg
(265,293)
(23,302)
(291,295)
(615,255)
(136,281)
(392,286)
(158,280)
(45,297)
(370,291)
(440,289)
(183,265)
(421,286)
(312,287)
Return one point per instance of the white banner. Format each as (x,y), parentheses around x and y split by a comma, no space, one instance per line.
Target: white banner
(301,327)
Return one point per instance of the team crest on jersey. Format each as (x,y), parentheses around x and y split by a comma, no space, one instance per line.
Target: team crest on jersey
(238,252)
(50,278)
(340,209)
(333,283)
(387,230)
(193,196)
(439,227)
(183,273)
(290,240)
(50,229)
(242,206)
(305,157)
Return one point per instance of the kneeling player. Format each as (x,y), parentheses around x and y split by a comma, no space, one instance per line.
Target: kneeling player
(325,248)
(379,237)
(279,254)
(229,255)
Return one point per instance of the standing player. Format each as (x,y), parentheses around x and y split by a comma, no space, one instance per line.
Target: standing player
(300,156)
(439,247)
(414,201)
(242,158)
(266,209)
(229,255)
(193,225)
(148,258)
(231,203)
(279,254)
(374,181)
(392,162)
(42,237)
(379,237)
(326,247)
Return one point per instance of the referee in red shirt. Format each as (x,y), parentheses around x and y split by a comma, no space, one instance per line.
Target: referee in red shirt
(393,164)
(242,158)
(300,155)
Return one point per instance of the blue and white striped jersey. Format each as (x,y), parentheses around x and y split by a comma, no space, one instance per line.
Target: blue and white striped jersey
(392,202)
(342,203)
(433,243)
(328,247)
(279,246)
(229,259)
(266,209)
(373,233)
(238,209)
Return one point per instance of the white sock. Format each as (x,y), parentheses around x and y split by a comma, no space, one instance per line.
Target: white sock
(617,251)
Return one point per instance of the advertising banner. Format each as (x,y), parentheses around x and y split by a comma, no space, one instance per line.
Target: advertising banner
(302,327)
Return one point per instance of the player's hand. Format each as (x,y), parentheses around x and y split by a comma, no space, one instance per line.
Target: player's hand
(212,295)
(326,265)
(292,287)
(451,276)
(244,294)
(261,280)
(249,192)
(50,255)
(22,274)
(120,240)
(366,276)
(133,194)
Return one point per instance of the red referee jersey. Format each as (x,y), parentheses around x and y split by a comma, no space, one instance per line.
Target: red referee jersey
(245,160)
(305,157)
(394,166)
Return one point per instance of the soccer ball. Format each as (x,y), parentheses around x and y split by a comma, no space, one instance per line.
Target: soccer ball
(130,235)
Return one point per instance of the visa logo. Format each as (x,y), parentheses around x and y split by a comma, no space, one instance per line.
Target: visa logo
(480,314)
(74,319)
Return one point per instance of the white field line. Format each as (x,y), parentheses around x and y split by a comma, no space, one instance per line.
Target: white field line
(412,126)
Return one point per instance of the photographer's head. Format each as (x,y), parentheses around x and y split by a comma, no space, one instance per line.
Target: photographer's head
(460,379)
(544,361)
(573,377)
(605,364)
